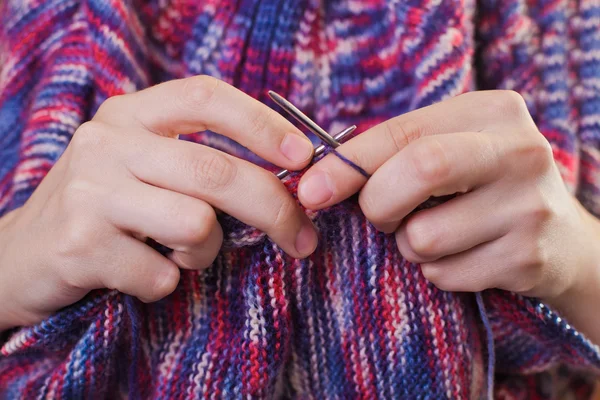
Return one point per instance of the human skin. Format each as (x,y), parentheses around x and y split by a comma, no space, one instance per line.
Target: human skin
(124,178)
(513,224)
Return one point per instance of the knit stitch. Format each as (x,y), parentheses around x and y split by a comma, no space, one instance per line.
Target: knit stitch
(354,320)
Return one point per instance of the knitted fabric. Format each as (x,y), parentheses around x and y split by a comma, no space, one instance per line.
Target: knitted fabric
(354,320)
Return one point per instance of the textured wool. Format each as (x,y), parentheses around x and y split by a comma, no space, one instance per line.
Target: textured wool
(355,320)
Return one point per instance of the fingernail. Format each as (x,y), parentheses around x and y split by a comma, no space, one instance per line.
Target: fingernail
(295,148)
(316,189)
(306,241)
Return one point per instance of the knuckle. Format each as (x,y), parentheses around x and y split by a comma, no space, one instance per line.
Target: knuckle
(111,105)
(435,275)
(530,270)
(77,237)
(522,284)
(214,245)
(539,153)
(72,278)
(90,137)
(534,257)
(258,123)
(79,231)
(198,91)
(511,103)
(212,249)
(162,286)
(510,98)
(370,208)
(539,211)
(541,215)
(401,131)
(445,285)
(452,281)
(213,171)
(197,229)
(421,238)
(430,162)
(284,213)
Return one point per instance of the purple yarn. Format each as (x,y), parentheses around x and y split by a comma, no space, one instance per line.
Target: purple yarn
(491,353)
(351,164)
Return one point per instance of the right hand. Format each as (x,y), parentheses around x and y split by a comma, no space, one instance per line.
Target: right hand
(124,178)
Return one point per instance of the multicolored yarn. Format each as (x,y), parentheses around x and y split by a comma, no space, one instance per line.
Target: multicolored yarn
(355,320)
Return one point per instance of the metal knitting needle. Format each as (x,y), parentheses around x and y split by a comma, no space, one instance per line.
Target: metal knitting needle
(321,148)
(303,119)
(338,138)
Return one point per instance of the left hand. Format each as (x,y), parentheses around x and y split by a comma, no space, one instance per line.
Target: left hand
(513,226)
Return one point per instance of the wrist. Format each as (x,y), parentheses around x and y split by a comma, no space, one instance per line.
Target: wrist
(579,306)
(6,222)
(589,278)
(579,302)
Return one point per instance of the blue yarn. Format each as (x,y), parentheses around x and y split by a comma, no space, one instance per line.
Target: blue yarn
(490,344)
(351,164)
(135,335)
(347,161)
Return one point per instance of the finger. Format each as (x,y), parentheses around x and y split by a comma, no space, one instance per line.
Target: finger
(330,180)
(453,227)
(137,270)
(431,166)
(183,223)
(495,264)
(471,271)
(202,254)
(202,102)
(237,187)
(172,219)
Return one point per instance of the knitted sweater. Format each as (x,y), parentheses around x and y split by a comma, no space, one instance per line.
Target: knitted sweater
(354,320)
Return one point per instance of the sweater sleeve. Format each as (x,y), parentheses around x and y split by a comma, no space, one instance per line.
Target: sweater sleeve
(530,337)
(549,52)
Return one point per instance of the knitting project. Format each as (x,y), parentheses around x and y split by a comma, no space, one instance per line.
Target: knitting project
(355,320)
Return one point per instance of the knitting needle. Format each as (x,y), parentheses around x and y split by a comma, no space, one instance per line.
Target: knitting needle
(321,148)
(303,119)
(338,138)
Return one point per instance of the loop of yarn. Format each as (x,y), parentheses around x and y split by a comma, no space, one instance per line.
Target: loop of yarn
(350,163)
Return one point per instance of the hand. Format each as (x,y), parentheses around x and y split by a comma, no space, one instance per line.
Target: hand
(124,178)
(513,224)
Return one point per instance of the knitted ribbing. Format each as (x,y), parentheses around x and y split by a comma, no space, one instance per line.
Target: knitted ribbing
(354,320)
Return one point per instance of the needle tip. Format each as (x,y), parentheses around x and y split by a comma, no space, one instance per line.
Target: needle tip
(273,95)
